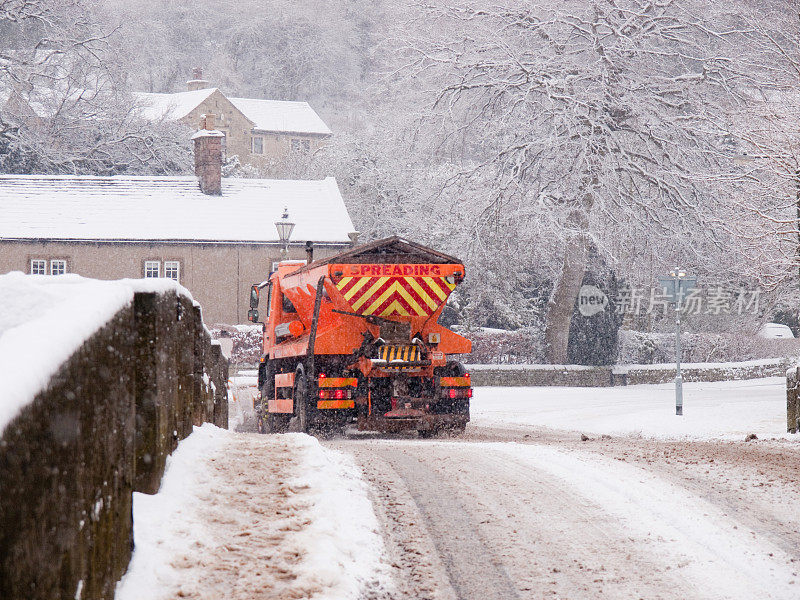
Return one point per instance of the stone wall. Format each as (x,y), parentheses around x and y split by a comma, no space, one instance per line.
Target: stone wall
(102,429)
(538,375)
(752,369)
(578,376)
(792,400)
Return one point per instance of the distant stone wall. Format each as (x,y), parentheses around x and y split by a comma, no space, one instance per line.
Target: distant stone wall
(578,376)
(792,400)
(753,369)
(539,375)
(102,429)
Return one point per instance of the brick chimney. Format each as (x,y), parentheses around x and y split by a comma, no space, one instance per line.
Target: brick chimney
(208,156)
(197,82)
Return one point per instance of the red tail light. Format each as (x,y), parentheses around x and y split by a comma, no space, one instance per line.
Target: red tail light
(453,393)
(469,393)
(339,394)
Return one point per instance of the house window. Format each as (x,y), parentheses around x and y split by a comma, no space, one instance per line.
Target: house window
(58,267)
(258,145)
(300,145)
(152,268)
(38,267)
(172,269)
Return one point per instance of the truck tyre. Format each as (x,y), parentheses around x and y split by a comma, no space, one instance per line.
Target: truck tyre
(266,378)
(277,423)
(260,424)
(454,368)
(300,394)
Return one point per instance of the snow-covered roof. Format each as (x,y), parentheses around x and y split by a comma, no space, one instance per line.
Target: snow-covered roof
(120,208)
(279,115)
(266,115)
(156,106)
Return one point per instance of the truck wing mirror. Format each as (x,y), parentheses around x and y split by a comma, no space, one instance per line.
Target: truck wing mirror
(254,295)
(252,315)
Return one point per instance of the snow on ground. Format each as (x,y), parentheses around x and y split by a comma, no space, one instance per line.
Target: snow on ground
(249,516)
(717,556)
(45,319)
(730,409)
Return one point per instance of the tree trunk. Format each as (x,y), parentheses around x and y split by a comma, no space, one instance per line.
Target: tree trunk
(562,300)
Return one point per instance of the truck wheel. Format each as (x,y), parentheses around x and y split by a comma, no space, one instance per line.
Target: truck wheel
(458,429)
(278,423)
(267,378)
(300,394)
(262,426)
(456,369)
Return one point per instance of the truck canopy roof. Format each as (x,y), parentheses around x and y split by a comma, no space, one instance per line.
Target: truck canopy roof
(393,249)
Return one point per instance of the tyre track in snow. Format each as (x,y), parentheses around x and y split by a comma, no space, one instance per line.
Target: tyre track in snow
(473,569)
(755,483)
(504,531)
(551,539)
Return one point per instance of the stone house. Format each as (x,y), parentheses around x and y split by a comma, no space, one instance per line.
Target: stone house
(216,237)
(262,133)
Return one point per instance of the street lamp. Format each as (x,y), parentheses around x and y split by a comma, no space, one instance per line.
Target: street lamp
(675,287)
(285,228)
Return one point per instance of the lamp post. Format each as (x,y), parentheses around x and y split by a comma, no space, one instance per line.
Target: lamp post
(675,287)
(285,228)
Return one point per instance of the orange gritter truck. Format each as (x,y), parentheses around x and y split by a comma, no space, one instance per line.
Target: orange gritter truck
(355,337)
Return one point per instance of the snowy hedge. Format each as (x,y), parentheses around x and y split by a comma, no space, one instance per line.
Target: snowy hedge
(497,346)
(636,347)
(246,343)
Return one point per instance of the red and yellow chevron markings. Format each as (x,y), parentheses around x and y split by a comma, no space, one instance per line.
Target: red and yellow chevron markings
(395,295)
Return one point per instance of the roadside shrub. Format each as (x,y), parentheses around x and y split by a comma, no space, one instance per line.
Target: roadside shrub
(246,339)
(636,347)
(497,346)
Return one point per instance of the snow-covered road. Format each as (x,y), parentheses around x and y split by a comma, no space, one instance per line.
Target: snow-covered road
(522,506)
(551,516)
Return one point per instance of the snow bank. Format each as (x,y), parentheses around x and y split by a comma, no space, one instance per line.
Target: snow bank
(342,544)
(220,527)
(165,523)
(45,319)
(730,409)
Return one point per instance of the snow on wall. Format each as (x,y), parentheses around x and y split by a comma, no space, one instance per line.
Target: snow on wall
(45,319)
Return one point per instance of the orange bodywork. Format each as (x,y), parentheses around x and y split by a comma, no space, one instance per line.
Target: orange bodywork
(282,402)
(336,404)
(455,381)
(334,382)
(361,328)
(409,293)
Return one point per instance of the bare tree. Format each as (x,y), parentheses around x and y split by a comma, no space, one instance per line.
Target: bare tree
(64,105)
(606,119)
